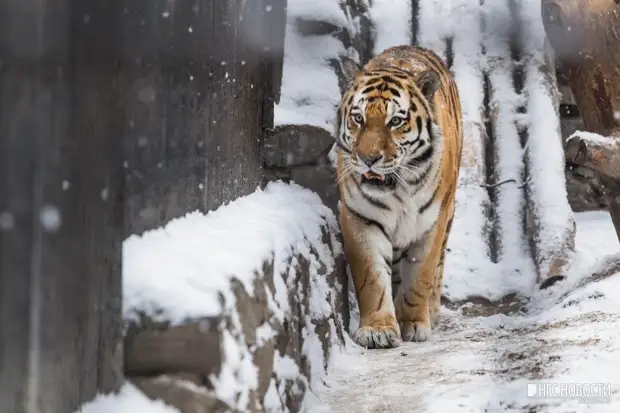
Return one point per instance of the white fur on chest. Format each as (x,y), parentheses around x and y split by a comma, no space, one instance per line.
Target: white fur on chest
(410,225)
(403,222)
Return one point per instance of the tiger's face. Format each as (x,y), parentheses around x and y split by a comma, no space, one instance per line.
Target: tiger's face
(386,129)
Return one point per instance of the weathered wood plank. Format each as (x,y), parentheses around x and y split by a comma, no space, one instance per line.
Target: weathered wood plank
(198,107)
(61,205)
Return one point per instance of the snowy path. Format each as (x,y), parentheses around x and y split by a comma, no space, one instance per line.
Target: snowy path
(483,363)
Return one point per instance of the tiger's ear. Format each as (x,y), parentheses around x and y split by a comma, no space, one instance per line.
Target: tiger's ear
(428,82)
(350,69)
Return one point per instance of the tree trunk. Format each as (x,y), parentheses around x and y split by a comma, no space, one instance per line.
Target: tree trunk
(586,38)
(201,79)
(61,207)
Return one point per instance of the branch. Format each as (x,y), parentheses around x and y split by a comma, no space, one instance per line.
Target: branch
(594,151)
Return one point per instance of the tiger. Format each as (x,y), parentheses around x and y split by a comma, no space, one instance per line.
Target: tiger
(398,138)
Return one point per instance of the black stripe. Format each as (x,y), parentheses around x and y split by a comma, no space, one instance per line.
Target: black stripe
(418,294)
(445,242)
(419,143)
(421,98)
(375,202)
(369,89)
(388,263)
(418,123)
(381,300)
(365,280)
(409,303)
(428,203)
(400,258)
(420,177)
(341,146)
(394,92)
(429,129)
(448,229)
(426,155)
(367,220)
(417,139)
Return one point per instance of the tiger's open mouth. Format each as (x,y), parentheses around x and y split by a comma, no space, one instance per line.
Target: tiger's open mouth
(372,178)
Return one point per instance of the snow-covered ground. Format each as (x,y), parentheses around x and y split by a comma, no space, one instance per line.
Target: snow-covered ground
(483,363)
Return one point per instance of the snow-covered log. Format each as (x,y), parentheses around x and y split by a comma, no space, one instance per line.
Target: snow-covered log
(585,36)
(601,153)
(550,224)
(504,79)
(241,308)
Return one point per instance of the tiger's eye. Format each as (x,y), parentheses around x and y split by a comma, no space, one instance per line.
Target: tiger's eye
(358,118)
(395,121)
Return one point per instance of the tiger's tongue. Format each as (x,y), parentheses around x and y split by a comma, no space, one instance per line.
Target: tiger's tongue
(372,175)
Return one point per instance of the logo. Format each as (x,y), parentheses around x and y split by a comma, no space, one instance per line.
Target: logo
(584,392)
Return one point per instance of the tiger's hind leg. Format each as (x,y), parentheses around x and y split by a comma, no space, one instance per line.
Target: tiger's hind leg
(369,253)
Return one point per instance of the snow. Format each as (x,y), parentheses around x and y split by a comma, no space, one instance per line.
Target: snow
(589,138)
(50,218)
(7,221)
(178,272)
(309,92)
(392,23)
(129,400)
(568,334)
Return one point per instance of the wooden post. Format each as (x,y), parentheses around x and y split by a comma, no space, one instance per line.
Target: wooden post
(586,38)
(61,215)
(201,81)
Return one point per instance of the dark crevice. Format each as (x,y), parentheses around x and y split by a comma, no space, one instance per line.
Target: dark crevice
(489,152)
(569,111)
(415,9)
(489,159)
(449,52)
(362,42)
(518,77)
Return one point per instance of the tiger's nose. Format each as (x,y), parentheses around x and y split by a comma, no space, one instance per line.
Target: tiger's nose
(370,160)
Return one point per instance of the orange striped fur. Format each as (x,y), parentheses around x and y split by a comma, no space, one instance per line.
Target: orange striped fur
(399,139)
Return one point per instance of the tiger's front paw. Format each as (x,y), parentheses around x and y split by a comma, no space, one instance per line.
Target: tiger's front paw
(380,336)
(415,331)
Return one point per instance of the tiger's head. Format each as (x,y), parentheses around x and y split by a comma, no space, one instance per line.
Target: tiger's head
(385,127)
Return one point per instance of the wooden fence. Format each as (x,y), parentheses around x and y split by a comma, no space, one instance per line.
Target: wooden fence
(115,116)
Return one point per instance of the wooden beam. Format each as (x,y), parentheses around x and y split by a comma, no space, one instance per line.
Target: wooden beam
(201,79)
(61,209)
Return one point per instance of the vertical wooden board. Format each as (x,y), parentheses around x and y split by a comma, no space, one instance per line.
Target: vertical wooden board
(60,275)
(201,79)
(240,93)
(163,80)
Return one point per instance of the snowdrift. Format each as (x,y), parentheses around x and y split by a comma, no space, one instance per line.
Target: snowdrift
(239,309)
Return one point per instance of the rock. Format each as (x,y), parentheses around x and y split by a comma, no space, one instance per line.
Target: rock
(299,153)
(294,145)
(585,190)
(285,336)
(182,392)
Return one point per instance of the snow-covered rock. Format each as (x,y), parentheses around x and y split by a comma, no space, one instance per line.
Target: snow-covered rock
(240,308)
